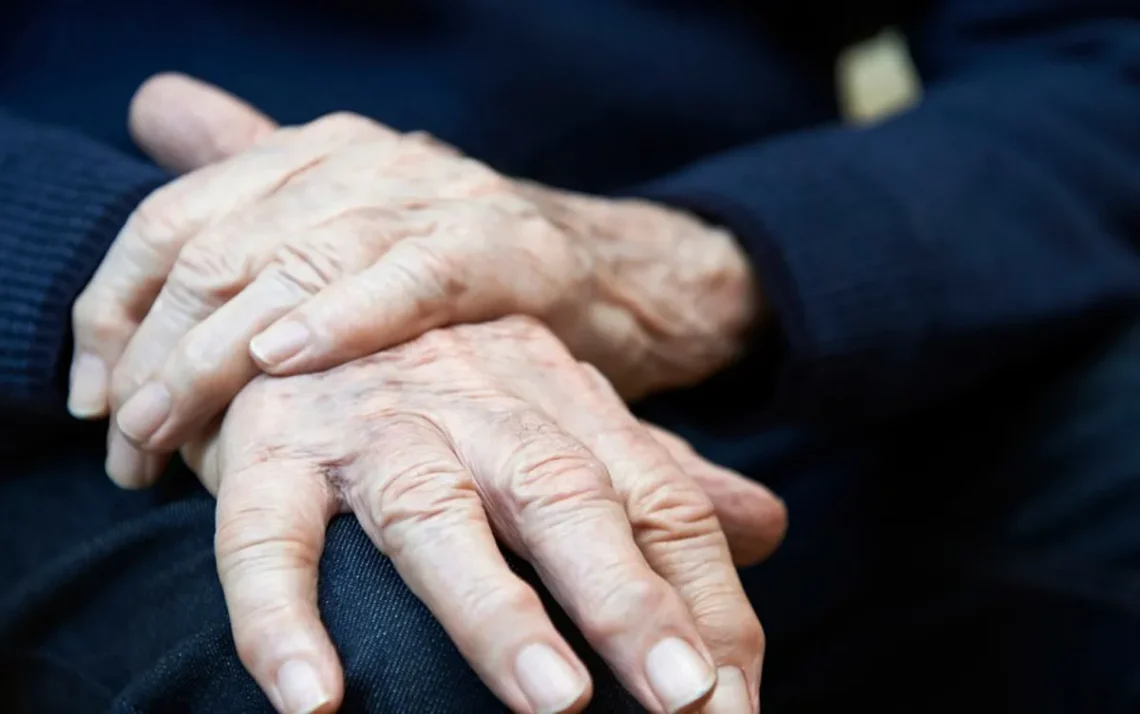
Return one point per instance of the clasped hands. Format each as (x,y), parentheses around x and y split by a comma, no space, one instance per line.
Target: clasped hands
(340,318)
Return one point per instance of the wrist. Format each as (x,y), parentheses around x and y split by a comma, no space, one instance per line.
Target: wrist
(674,298)
(697,297)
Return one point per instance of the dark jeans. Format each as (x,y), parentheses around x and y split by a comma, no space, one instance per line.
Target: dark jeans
(984,557)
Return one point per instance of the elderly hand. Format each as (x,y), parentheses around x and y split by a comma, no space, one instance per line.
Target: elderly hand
(441,444)
(344,237)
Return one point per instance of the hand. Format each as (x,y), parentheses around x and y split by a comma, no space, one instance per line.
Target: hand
(436,445)
(344,237)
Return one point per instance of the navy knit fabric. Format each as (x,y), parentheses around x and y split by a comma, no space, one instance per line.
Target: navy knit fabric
(903,261)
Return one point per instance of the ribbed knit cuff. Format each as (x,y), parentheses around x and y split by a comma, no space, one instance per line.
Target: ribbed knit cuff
(63,199)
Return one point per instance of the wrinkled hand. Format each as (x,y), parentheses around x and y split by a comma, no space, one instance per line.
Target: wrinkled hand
(344,237)
(444,442)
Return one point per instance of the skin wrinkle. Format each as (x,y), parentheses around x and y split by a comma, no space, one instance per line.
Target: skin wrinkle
(423,441)
(673,342)
(502,408)
(238,551)
(591,268)
(291,176)
(204,279)
(617,599)
(413,499)
(312,277)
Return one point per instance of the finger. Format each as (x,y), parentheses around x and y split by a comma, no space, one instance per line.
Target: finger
(422,509)
(206,369)
(420,284)
(215,266)
(174,314)
(127,466)
(675,525)
(211,363)
(127,282)
(553,501)
(753,518)
(184,124)
(270,533)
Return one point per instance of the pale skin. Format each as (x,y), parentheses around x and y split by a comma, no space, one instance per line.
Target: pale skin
(371,240)
(447,442)
(343,237)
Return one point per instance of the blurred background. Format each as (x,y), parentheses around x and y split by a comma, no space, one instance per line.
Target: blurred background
(876,78)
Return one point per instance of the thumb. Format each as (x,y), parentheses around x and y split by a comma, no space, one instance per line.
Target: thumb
(753,519)
(184,124)
(271,521)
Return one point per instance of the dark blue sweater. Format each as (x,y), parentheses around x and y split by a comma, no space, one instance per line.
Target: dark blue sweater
(986,227)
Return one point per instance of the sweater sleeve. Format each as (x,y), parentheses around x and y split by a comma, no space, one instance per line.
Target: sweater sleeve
(987,226)
(63,198)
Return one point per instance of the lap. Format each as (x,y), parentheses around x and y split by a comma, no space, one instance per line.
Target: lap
(1016,515)
(989,546)
(111,602)
(992,547)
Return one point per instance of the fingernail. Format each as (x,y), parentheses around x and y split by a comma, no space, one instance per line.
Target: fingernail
(731,695)
(678,675)
(87,394)
(279,342)
(145,412)
(550,684)
(299,688)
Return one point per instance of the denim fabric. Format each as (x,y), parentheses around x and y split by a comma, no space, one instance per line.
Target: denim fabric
(983,557)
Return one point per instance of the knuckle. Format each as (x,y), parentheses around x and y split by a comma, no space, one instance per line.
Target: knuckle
(306,267)
(562,464)
(431,275)
(474,179)
(431,142)
(539,474)
(250,543)
(281,136)
(200,363)
(346,126)
(619,599)
(627,443)
(493,599)
(427,492)
(85,311)
(730,629)
(126,378)
(95,322)
(550,475)
(158,222)
(751,633)
(206,276)
(411,493)
(728,624)
(663,507)
(718,605)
